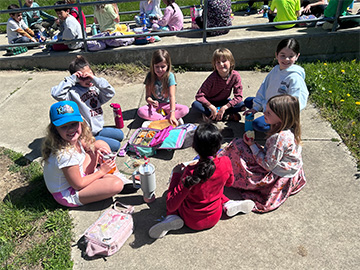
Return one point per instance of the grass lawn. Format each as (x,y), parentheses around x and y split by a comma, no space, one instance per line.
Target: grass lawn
(334,88)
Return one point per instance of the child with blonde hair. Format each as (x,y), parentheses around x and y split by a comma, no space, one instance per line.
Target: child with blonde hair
(75,172)
(160,87)
(213,98)
(269,175)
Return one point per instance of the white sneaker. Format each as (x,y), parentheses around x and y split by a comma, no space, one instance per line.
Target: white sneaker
(145,124)
(181,121)
(171,222)
(234,207)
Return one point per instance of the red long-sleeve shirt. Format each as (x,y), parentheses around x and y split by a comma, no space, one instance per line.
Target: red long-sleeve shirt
(200,206)
(215,88)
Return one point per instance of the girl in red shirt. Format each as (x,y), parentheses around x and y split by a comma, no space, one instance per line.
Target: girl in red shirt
(195,195)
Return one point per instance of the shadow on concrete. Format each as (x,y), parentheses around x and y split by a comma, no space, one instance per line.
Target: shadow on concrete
(35,147)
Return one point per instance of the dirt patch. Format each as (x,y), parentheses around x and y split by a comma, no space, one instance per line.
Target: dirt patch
(120,78)
(9,181)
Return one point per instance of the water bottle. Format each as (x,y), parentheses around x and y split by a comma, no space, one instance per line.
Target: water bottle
(38,36)
(147,180)
(143,22)
(249,118)
(119,121)
(93,29)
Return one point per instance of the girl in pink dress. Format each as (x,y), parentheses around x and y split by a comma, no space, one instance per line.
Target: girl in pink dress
(269,175)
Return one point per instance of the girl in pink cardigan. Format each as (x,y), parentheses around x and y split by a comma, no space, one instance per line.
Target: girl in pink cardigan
(173,18)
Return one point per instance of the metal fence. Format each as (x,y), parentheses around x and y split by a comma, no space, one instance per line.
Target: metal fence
(202,3)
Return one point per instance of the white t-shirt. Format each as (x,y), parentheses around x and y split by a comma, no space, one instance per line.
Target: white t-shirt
(11,28)
(54,177)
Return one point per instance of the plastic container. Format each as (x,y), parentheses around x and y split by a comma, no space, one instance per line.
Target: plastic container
(107,157)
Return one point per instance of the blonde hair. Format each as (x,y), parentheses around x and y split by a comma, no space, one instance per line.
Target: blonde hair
(54,143)
(220,53)
(158,57)
(70,1)
(287,108)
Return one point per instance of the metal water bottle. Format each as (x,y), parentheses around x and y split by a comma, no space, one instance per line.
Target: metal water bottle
(119,121)
(147,180)
(249,118)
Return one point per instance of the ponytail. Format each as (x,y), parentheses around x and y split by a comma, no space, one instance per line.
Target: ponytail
(207,142)
(203,171)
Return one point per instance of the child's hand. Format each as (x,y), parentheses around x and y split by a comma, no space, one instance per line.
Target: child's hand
(248,141)
(220,113)
(153,103)
(107,165)
(253,111)
(84,75)
(173,120)
(213,111)
(178,168)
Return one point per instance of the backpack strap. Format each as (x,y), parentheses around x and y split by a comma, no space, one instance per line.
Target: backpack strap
(129,208)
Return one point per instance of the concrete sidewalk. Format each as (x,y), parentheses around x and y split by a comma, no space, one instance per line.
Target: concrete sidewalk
(315,229)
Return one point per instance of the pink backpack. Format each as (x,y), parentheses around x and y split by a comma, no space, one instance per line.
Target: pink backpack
(109,233)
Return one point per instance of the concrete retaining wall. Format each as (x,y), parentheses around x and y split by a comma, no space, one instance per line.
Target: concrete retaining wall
(247,52)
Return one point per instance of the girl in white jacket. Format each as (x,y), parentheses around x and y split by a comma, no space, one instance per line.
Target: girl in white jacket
(284,78)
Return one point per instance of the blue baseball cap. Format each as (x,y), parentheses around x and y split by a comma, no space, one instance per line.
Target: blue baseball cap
(64,112)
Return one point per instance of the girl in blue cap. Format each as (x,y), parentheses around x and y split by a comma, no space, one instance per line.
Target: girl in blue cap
(71,157)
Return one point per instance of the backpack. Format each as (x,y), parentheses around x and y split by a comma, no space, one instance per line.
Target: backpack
(109,233)
(145,141)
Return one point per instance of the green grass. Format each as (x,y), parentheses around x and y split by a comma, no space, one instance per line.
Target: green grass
(34,231)
(334,88)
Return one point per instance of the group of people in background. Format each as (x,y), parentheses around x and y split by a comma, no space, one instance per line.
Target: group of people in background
(36,26)
(76,172)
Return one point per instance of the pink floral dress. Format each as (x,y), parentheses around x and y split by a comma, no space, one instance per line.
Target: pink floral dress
(269,175)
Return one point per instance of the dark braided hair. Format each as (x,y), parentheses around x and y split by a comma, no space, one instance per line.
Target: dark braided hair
(207,142)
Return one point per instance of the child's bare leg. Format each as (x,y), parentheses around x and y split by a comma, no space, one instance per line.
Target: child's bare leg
(101,189)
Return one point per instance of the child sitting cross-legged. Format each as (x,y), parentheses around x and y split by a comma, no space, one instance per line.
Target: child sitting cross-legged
(16,29)
(195,196)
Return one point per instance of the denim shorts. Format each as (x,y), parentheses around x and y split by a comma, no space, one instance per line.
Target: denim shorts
(68,197)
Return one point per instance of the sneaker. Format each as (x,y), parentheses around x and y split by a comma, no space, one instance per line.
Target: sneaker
(232,208)
(181,121)
(171,222)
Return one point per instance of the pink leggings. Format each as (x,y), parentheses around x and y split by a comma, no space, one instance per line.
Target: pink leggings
(148,112)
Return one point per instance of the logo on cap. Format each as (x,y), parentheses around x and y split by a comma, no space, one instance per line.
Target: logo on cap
(64,109)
